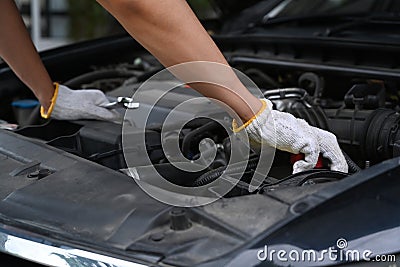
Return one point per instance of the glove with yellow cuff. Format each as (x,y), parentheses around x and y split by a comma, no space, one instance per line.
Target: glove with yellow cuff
(287,133)
(68,104)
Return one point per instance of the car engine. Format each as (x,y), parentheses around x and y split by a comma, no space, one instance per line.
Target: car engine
(360,110)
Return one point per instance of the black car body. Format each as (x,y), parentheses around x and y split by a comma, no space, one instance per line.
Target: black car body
(64,197)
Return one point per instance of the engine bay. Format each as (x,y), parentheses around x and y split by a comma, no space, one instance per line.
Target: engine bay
(361,110)
(71,178)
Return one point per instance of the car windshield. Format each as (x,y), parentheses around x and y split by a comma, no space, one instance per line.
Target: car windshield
(291,8)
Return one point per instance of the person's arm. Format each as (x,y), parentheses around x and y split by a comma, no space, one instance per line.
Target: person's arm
(17,49)
(174,35)
(58,101)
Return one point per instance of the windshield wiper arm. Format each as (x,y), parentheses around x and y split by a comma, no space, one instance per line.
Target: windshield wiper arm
(352,20)
(357,22)
(345,26)
(266,22)
(310,18)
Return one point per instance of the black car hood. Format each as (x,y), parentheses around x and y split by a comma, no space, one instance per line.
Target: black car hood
(95,208)
(364,216)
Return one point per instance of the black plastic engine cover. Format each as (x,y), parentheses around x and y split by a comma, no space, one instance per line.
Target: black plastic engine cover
(97,141)
(94,206)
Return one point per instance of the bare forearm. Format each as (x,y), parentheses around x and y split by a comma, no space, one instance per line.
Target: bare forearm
(173,34)
(17,49)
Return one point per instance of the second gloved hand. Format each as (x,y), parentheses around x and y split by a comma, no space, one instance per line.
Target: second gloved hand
(68,104)
(285,132)
(329,148)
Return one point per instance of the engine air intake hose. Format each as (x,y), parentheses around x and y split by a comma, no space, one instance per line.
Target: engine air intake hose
(213,175)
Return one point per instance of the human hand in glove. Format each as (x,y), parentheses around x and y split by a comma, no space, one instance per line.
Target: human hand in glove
(68,104)
(329,148)
(285,132)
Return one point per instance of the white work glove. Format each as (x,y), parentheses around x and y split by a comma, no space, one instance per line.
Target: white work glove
(70,104)
(329,148)
(287,133)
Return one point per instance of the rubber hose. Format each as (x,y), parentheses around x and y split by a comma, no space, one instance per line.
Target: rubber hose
(212,175)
